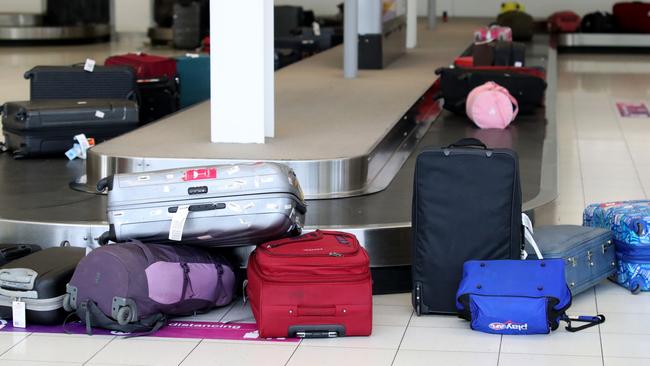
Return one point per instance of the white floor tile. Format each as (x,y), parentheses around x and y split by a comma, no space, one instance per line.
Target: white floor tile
(393,315)
(239,354)
(626,323)
(439,321)
(38,363)
(626,345)
(382,337)
(614,361)
(449,339)
(436,358)
(8,340)
(305,355)
(584,303)
(60,348)
(556,343)
(403,299)
(139,351)
(511,359)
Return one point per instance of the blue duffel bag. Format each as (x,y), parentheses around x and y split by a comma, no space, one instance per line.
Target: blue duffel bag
(517,297)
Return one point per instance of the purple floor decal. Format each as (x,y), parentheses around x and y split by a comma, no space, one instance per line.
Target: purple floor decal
(632,110)
(174,329)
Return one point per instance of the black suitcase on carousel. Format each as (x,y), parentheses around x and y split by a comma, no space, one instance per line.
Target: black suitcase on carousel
(11,252)
(73,82)
(39,280)
(466,206)
(157,98)
(46,127)
(526,84)
(186,29)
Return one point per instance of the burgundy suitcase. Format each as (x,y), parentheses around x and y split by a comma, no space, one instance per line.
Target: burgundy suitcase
(632,17)
(313,286)
(146,66)
(564,22)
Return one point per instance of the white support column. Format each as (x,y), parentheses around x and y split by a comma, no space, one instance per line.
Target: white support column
(351,39)
(242,79)
(411,23)
(431,14)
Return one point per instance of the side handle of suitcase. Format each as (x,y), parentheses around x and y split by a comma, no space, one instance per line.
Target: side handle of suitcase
(316,331)
(16,283)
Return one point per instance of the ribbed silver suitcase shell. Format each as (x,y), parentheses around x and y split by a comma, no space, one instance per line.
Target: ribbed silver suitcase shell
(229,204)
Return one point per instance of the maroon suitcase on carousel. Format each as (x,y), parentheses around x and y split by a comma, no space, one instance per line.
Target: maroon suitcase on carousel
(146,66)
(632,17)
(312,286)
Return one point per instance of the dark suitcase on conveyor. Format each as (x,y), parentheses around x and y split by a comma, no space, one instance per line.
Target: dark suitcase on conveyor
(46,127)
(224,205)
(461,195)
(589,253)
(39,280)
(77,12)
(598,22)
(285,57)
(509,54)
(157,98)
(11,252)
(187,25)
(632,17)
(163,12)
(526,84)
(73,82)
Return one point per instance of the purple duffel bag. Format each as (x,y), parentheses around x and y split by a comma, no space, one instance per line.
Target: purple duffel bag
(133,287)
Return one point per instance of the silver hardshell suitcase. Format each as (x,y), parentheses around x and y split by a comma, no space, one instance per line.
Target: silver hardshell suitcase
(224,205)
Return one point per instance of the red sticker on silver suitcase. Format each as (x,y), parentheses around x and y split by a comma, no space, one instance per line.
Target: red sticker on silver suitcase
(200,174)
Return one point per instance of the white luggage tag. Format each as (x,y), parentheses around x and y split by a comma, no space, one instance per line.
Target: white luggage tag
(18,314)
(89,65)
(178,223)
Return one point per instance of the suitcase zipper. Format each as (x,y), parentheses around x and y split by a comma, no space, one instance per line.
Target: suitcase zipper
(321,278)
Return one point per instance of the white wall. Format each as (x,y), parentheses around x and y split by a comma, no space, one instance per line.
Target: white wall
(132,15)
(22,6)
(474,8)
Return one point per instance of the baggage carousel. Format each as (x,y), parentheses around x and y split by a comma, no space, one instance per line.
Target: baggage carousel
(603,40)
(38,205)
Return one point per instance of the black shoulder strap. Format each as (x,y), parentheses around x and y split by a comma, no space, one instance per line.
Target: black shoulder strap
(92,316)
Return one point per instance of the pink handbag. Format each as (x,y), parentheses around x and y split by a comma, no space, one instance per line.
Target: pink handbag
(491,106)
(493,33)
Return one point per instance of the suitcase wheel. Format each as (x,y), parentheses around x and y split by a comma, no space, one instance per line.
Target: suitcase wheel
(635,288)
(104,238)
(67,305)
(123,315)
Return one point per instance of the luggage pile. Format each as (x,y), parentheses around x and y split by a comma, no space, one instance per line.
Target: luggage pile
(160,258)
(100,102)
(490,83)
(624,17)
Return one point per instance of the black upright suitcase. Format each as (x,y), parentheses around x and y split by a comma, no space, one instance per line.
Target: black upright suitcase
(509,54)
(157,98)
(163,12)
(73,82)
(39,280)
(466,206)
(11,252)
(46,127)
(526,84)
(186,31)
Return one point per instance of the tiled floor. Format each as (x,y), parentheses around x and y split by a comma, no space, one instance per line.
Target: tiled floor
(602,157)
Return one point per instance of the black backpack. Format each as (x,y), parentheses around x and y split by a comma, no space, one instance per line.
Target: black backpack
(521,23)
(598,22)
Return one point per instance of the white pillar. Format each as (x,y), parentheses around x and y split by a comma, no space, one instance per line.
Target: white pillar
(241,62)
(431,14)
(411,23)
(351,39)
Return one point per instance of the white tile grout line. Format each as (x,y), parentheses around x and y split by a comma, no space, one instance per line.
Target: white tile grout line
(499,354)
(403,335)
(99,350)
(15,344)
(190,352)
(293,353)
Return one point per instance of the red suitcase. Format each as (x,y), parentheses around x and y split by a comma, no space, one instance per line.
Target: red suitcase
(146,66)
(564,22)
(633,17)
(314,285)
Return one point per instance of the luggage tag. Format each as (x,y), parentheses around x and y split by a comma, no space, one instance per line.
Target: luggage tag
(89,65)
(316,28)
(178,223)
(18,314)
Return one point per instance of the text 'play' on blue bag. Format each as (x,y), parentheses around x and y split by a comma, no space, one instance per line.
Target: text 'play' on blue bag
(517,297)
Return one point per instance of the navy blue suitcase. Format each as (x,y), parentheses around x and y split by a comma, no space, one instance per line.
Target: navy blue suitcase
(588,253)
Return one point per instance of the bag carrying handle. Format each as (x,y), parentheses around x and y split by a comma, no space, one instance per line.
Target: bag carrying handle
(528,237)
(589,320)
(496,87)
(469,142)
